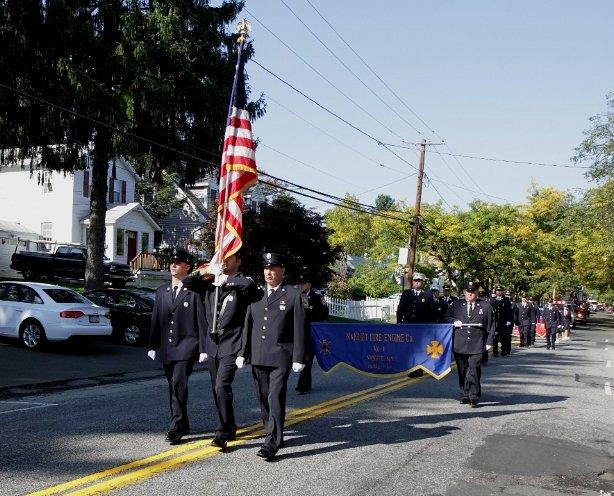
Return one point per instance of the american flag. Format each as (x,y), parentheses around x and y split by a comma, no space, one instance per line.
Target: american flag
(238,172)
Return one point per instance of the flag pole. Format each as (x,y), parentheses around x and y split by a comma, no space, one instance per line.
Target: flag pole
(242,30)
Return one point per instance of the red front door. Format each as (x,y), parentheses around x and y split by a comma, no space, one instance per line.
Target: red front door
(131,245)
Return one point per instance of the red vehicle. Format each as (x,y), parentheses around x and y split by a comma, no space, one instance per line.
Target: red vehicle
(582,313)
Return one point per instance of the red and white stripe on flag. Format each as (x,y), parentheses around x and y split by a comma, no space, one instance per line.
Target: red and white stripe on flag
(238,172)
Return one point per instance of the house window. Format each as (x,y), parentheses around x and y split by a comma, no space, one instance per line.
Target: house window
(212,198)
(86,183)
(144,242)
(117,191)
(47,230)
(119,242)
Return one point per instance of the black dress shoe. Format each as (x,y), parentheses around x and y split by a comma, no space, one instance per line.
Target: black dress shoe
(267,453)
(416,373)
(219,442)
(464,401)
(473,403)
(302,391)
(174,436)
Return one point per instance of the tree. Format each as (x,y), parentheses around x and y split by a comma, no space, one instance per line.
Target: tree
(157,71)
(374,279)
(287,227)
(598,145)
(159,198)
(384,202)
(349,229)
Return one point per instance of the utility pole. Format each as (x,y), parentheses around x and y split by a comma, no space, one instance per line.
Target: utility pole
(413,240)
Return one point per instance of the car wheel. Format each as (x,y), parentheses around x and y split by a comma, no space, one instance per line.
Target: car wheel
(32,335)
(132,334)
(29,274)
(118,283)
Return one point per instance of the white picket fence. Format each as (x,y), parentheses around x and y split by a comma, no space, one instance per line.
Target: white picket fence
(370,309)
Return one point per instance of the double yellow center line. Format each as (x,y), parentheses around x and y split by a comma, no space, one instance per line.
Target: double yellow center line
(145,468)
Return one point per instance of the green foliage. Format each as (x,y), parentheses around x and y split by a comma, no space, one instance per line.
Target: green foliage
(598,146)
(350,230)
(384,202)
(287,227)
(159,199)
(374,279)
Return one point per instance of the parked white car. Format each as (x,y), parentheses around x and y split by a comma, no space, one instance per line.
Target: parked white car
(35,313)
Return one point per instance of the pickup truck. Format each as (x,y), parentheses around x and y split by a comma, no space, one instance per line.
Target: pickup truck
(66,262)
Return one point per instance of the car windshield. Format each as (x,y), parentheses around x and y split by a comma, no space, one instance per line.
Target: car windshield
(65,296)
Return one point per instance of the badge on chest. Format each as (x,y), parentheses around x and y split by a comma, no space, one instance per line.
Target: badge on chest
(282,305)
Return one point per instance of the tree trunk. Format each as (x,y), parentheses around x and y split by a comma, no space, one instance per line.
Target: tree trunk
(98,210)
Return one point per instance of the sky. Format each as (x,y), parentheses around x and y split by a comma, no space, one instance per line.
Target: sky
(516,80)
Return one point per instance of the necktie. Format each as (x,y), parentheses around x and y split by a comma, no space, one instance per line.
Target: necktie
(469,309)
(175,288)
(271,291)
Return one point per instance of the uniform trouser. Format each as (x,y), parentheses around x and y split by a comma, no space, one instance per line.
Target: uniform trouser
(533,329)
(177,375)
(503,337)
(304,378)
(469,372)
(222,371)
(550,336)
(525,334)
(272,385)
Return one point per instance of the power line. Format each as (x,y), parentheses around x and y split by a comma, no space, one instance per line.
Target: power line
(490,159)
(340,60)
(175,150)
(346,206)
(302,59)
(331,136)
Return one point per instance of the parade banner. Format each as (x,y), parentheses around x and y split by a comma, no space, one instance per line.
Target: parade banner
(384,350)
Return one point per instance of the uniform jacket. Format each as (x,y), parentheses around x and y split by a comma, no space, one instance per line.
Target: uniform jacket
(504,313)
(316,310)
(174,332)
(274,330)
(442,307)
(472,340)
(234,298)
(565,319)
(552,317)
(416,308)
(525,315)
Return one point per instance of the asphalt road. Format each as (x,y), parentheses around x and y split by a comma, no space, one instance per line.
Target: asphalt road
(62,365)
(545,427)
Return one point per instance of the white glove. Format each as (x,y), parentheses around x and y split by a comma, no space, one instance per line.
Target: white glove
(152,354)
(297,367)
(202,357)
(508,323)
(220,279)
(457,323)
(215,269)
(488,347)
(239,362)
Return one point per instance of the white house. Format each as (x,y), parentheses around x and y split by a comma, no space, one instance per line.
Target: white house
(57,205)
(12,235)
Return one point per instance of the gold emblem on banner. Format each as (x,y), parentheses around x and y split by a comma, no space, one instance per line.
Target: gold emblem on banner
(434,349)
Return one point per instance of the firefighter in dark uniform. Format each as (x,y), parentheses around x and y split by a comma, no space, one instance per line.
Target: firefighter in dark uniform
(447,296)
(174,339)
(316,310)
(440,305)
(470,341)
(274,343)
(525,318)
(221,348)
(504,322)
(553,321)
(535,319)
(417,306)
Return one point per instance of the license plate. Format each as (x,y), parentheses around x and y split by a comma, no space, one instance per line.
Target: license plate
(94,319)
